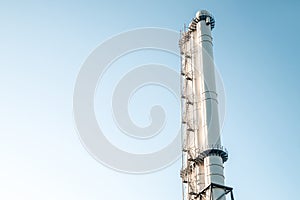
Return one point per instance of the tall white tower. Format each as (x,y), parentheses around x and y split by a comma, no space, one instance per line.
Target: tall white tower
(203,155)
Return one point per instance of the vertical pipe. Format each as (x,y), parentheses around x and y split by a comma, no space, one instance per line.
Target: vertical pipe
(205,156)
(207,103)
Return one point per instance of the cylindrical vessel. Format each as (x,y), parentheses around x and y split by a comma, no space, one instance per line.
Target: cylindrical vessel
(198,64)
(208,103)
(206,83)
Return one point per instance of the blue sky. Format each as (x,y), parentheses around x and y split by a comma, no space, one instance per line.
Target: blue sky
(44,44)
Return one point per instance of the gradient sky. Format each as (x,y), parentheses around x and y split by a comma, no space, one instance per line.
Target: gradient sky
(43,45)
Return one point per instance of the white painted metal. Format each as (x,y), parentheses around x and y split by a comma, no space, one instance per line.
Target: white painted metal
(200,128)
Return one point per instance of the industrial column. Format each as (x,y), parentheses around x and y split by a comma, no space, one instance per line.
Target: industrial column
(203,155)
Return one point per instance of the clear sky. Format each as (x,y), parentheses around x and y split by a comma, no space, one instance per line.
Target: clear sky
(43,45)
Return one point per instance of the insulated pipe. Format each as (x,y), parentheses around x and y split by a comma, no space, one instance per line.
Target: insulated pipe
(203,164)
(207,102)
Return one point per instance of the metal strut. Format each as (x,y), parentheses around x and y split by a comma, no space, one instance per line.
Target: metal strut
(210,188)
